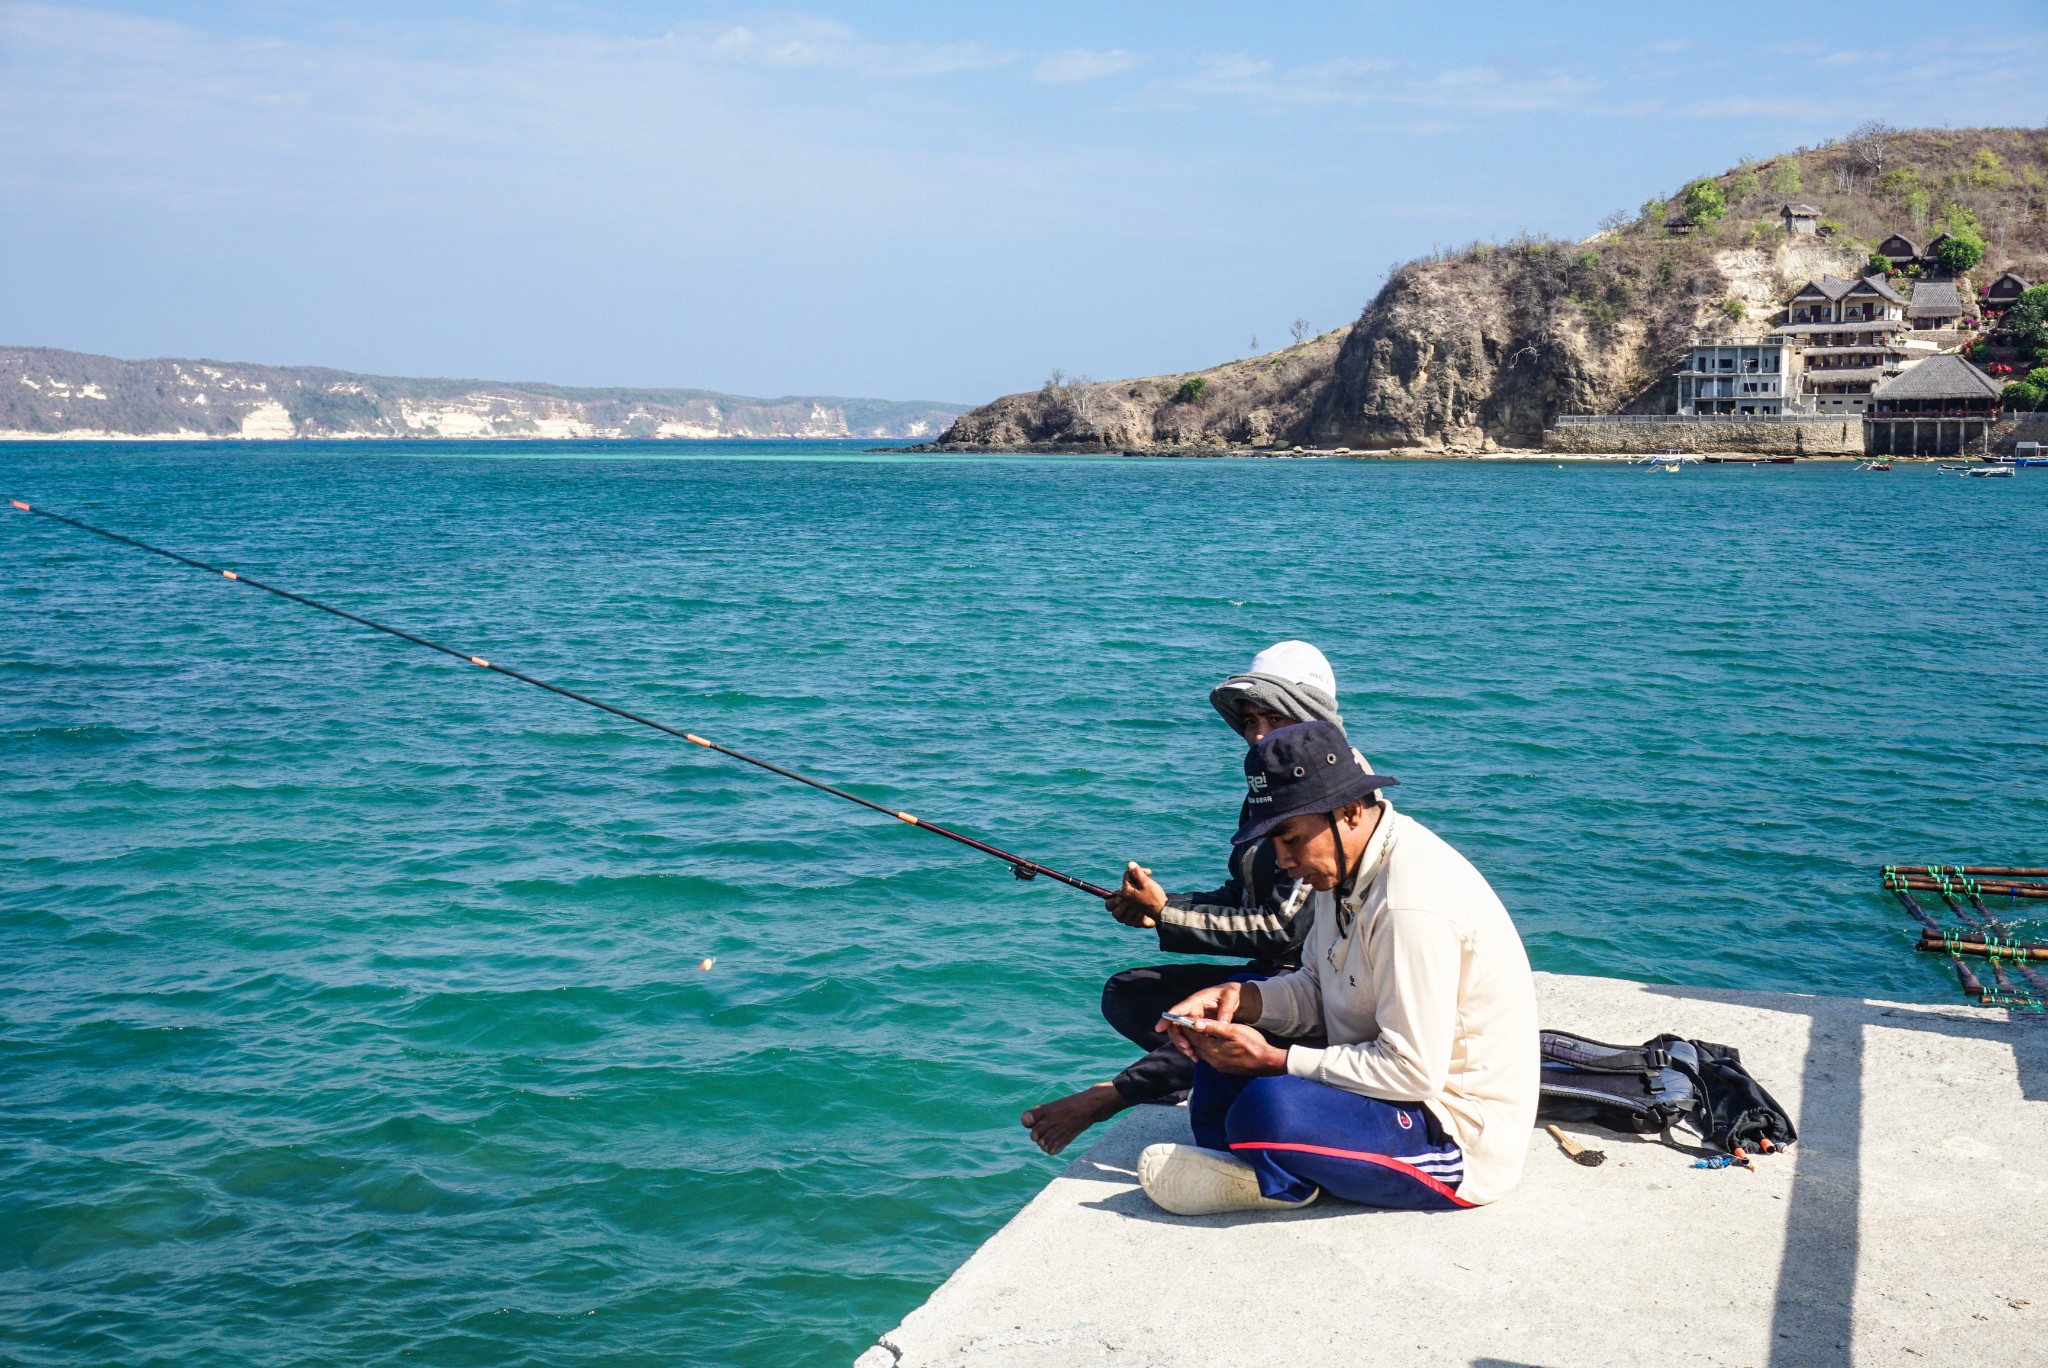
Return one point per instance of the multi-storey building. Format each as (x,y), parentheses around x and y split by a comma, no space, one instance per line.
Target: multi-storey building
(1850,335)
(1832,300)
(1752,375)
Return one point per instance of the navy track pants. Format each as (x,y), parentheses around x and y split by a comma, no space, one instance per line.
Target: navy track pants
(1300,1135)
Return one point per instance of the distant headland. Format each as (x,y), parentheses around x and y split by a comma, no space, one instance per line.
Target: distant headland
(47,395)
(1484,348)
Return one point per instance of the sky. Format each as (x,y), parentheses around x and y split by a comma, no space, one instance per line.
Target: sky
(900,200)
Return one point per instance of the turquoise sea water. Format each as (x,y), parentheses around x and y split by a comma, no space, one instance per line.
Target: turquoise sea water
(349,1000)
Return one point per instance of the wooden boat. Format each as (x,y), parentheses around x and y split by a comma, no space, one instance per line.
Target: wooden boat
(1989,472)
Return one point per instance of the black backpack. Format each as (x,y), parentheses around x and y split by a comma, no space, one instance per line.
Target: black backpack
(1647,1089)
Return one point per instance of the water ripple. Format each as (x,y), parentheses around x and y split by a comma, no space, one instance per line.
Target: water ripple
(351,1010)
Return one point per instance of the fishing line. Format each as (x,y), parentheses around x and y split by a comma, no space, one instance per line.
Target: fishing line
(1021,867)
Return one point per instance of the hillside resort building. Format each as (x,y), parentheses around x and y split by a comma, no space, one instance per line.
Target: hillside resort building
(1935,407)
(1739,376)
(1858,347)
(2004,292)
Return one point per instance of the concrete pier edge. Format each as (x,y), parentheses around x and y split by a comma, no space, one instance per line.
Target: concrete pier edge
(1906,1227)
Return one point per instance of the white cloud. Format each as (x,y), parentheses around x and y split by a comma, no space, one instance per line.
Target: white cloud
(1364,81)
(830,45)
(1081,64)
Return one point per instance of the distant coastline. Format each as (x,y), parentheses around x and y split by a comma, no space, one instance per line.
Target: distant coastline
(50,395)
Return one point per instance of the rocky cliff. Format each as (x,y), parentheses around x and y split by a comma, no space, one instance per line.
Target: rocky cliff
(51,394)
(1484,347)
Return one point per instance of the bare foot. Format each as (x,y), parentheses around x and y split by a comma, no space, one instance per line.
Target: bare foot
(1054,1124)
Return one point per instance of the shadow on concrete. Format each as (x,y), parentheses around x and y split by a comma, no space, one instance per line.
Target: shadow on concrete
(1133,1203)
(1812,1324)
(1815,1300)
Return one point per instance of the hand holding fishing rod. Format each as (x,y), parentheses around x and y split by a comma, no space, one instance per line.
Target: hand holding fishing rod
(1021,867)
(1140,899)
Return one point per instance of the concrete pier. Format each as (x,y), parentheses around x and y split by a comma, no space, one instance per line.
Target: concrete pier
(1909,1226)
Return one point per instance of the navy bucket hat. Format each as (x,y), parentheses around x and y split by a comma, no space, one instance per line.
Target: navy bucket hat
(1307,767)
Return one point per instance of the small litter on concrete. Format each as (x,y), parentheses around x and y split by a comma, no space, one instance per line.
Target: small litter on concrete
(1579,1154)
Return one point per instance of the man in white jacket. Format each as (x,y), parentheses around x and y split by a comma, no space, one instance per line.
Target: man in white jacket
(1426,1093)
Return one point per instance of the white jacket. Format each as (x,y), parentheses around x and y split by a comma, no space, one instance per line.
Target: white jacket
(1426,997)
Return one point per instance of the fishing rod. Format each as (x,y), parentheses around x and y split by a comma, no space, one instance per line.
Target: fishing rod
(1021,867)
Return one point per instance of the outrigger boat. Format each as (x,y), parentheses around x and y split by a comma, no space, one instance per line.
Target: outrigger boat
(1989,472)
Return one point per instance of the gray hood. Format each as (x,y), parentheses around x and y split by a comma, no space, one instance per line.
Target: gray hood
(1273,693)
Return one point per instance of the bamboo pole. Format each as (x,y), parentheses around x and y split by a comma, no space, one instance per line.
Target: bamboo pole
(1993,997)
(2002,889)
(1993,871)
(1963,974)
(1984,928)
(1987,947)
(1991,927)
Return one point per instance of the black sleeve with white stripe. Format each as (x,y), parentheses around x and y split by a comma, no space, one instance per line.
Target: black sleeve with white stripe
(1247,918)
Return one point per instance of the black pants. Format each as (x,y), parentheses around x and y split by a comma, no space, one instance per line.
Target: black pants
(1132,1002)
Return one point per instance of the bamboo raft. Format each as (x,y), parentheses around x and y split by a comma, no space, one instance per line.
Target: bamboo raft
(1979,933)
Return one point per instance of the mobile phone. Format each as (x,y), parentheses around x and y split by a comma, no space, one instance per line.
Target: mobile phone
(1177,1019)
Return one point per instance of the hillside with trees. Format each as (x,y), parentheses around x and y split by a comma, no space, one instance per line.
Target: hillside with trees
(1485,345)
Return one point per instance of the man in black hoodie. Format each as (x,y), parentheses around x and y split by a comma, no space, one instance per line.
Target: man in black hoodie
(1259,915)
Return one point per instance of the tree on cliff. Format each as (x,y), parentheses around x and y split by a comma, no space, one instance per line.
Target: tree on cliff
(1960,251)
(2025,396)
(2027,321)
(1870,140)
(1705,205)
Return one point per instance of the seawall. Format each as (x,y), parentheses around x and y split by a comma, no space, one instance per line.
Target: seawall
(1904,1227)
(2014,428)
(1834,435)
